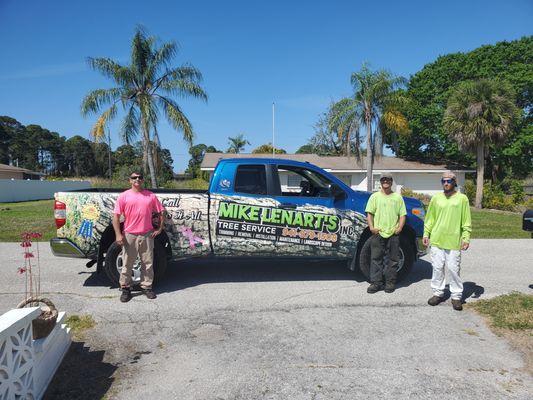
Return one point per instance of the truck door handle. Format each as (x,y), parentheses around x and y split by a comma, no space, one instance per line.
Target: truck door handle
(288,205)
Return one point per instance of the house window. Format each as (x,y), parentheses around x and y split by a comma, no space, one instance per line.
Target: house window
(347,179)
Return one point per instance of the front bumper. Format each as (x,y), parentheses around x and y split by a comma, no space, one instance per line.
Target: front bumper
(62,247)
(421,250)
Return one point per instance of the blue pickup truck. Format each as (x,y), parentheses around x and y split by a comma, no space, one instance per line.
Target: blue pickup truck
(246,212)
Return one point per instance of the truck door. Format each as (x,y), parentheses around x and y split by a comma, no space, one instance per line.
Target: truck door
(313,220)
(238,206)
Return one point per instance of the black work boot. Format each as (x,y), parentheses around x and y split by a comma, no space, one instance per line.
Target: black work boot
(126,295)
(374,288)
(435,300)
(149,293)
(457,305)
(390,287)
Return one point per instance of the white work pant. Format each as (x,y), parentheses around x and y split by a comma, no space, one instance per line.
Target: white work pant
(452,260)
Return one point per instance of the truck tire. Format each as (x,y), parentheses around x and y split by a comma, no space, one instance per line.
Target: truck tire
(405,264)
(113,261)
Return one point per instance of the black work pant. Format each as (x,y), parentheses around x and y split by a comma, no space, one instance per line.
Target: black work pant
(379,247)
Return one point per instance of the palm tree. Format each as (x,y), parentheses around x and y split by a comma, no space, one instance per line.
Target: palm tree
(144,88)
(237,143)
(479,113)
(375,106)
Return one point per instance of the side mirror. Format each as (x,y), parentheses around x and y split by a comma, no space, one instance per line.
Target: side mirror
(336,192)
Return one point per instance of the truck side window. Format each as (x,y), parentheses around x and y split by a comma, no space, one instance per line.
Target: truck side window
(297,181)
(251,179)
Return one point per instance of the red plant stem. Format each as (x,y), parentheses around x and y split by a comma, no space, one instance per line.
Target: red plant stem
(38,271)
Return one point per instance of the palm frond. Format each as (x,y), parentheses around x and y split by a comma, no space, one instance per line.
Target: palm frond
(98,132)
(177,118)
(480,111)
(95,99)
(130,125)
(141,54)
(111,69)
(161,58)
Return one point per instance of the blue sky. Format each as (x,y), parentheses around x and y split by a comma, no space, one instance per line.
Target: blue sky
(298,54)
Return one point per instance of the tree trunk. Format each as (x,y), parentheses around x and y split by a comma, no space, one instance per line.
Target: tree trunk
(109,156)
(369,158)
(147,150)
(480,172)
(348,149)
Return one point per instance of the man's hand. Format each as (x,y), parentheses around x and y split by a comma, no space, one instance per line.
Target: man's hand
(425,241)
(374,231)
(156,232)
(397,231)
(120,240)
(465,246)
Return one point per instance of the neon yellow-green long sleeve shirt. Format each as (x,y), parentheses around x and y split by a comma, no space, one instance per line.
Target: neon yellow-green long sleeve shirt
(448,221)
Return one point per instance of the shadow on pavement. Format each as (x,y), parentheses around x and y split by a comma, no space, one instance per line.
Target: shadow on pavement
(421,271)
(190,273)
(82,375)
(201,271)
(472,290)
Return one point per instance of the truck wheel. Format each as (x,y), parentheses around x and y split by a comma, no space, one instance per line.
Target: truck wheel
(114,261)
(405,263)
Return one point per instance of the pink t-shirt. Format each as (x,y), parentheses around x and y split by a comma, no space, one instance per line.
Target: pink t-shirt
(137,208)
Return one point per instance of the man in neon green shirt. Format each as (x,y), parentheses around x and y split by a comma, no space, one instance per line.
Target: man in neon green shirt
(447,227)
(386,218)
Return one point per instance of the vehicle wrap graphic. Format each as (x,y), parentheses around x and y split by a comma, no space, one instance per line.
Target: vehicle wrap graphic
(89,215)
(255,226)
(278,224)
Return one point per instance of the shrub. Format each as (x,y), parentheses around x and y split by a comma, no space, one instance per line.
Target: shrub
(196,184)
(424,198)
(470,191)
(495,198)
(517,191)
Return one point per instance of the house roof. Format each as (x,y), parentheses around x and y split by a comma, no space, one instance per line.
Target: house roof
(11,168)
(337,163)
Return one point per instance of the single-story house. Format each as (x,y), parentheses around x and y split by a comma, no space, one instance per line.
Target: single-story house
(419,177)
(12,172)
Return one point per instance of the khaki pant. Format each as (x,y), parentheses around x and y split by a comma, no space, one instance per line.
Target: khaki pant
(142,246)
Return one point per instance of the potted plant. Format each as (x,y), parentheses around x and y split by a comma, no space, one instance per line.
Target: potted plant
(45,322)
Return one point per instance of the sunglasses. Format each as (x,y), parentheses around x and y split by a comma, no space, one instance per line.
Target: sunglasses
(385,180)
(136,177)
(444,181)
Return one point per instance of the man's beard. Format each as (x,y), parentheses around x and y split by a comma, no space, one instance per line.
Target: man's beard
(451,190)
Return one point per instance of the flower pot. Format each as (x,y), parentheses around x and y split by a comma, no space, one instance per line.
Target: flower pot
(44,323)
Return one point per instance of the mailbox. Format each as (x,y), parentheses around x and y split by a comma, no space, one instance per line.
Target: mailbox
(527,222)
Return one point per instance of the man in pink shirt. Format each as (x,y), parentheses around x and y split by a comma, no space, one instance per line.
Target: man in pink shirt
(137,206)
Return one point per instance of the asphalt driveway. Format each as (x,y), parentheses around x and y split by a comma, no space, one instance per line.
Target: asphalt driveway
(265,330)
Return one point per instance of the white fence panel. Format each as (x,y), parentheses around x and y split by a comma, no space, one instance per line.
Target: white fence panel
(26,365)
(21,190)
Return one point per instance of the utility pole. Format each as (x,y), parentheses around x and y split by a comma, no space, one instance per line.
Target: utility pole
(273,147)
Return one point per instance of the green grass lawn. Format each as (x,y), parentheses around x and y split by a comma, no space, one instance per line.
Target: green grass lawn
(16,218)
(490,224)
(510,311)
(35,216)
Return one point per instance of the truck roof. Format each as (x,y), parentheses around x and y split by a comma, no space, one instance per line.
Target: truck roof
(261,160)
